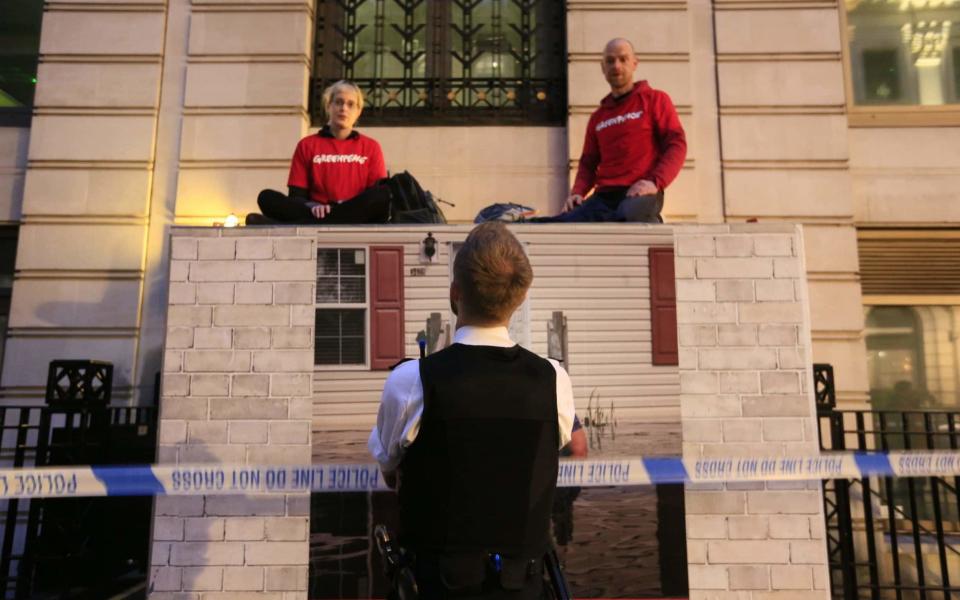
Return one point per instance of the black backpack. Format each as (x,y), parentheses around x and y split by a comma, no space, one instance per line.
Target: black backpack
(409,203)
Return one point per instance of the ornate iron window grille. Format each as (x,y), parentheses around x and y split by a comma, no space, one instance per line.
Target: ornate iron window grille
(443,62)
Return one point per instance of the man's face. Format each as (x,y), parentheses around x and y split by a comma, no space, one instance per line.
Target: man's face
(619,63)
(344,109)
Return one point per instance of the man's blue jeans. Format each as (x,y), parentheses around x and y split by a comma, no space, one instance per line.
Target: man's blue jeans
(612,206)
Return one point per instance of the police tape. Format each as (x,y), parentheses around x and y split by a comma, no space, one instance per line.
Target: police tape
(212,479)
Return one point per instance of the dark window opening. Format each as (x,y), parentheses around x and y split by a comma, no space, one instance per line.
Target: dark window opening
(881,76)
(340,337)
(8,255)
(19,47)
(440,62)
(956,73)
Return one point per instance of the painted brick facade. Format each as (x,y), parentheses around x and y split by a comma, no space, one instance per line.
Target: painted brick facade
(236,389)
(746,389)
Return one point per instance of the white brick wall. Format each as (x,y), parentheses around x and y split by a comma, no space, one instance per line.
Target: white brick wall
(237,375)
(745,367)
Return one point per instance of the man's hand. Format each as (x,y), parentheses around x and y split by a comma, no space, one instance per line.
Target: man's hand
(644,187)
(573,201)
(578,444)
(320,210)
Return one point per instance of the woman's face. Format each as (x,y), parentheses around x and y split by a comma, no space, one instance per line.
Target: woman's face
(344,109)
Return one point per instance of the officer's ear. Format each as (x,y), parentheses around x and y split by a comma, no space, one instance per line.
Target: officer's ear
(455,296)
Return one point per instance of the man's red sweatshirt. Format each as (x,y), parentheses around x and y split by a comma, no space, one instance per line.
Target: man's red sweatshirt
(636,136)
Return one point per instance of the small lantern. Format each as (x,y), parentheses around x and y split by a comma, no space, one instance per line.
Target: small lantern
(429,247)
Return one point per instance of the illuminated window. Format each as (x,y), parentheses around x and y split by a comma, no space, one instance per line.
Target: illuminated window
(904,52)
(445,61)
(913,353)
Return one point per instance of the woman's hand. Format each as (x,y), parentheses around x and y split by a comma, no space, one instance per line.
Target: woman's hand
(573,201)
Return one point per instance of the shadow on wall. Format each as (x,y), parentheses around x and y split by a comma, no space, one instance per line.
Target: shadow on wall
(82,327)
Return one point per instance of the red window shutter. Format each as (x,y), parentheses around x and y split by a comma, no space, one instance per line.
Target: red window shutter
(386,306)
(663,306)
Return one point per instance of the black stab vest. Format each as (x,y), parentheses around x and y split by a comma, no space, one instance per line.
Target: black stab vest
(481,473)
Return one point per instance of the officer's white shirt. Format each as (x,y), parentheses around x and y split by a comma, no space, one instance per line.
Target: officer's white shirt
(401,405)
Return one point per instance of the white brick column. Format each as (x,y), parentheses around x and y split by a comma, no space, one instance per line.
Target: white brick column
(236,389)
(746,390)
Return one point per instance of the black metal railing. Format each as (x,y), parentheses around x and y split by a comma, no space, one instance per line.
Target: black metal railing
(75,547)
(71,547)
(890,537)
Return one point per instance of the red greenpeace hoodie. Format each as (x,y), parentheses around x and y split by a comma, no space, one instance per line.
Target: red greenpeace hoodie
(636,136)
(334,170)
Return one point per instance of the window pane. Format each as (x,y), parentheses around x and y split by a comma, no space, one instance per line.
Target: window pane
(353,290)
(328,323)
(352,262)
(400,52)
(327,351)
(484,61)
(352,322)
(903,51)
(327,291)
(913,357)
(340,337)
(352,351)
(19,45)
(881,76)
(327,262)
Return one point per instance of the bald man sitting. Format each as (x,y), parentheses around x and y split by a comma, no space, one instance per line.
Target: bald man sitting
(634,148)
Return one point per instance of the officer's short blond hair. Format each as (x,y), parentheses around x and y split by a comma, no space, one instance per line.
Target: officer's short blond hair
(492,272)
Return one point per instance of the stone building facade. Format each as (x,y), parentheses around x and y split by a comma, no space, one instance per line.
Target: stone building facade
(151,113)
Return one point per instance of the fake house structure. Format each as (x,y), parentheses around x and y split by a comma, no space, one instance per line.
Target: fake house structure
(278,340)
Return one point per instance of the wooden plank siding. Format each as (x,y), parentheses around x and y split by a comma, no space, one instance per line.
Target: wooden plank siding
(598,275)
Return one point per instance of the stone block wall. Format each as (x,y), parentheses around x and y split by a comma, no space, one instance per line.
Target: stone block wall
(236,389)
(746,390)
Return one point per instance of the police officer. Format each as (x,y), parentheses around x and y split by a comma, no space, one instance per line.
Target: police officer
(469,436)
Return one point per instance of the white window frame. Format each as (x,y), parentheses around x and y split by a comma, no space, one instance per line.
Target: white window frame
(365,365)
